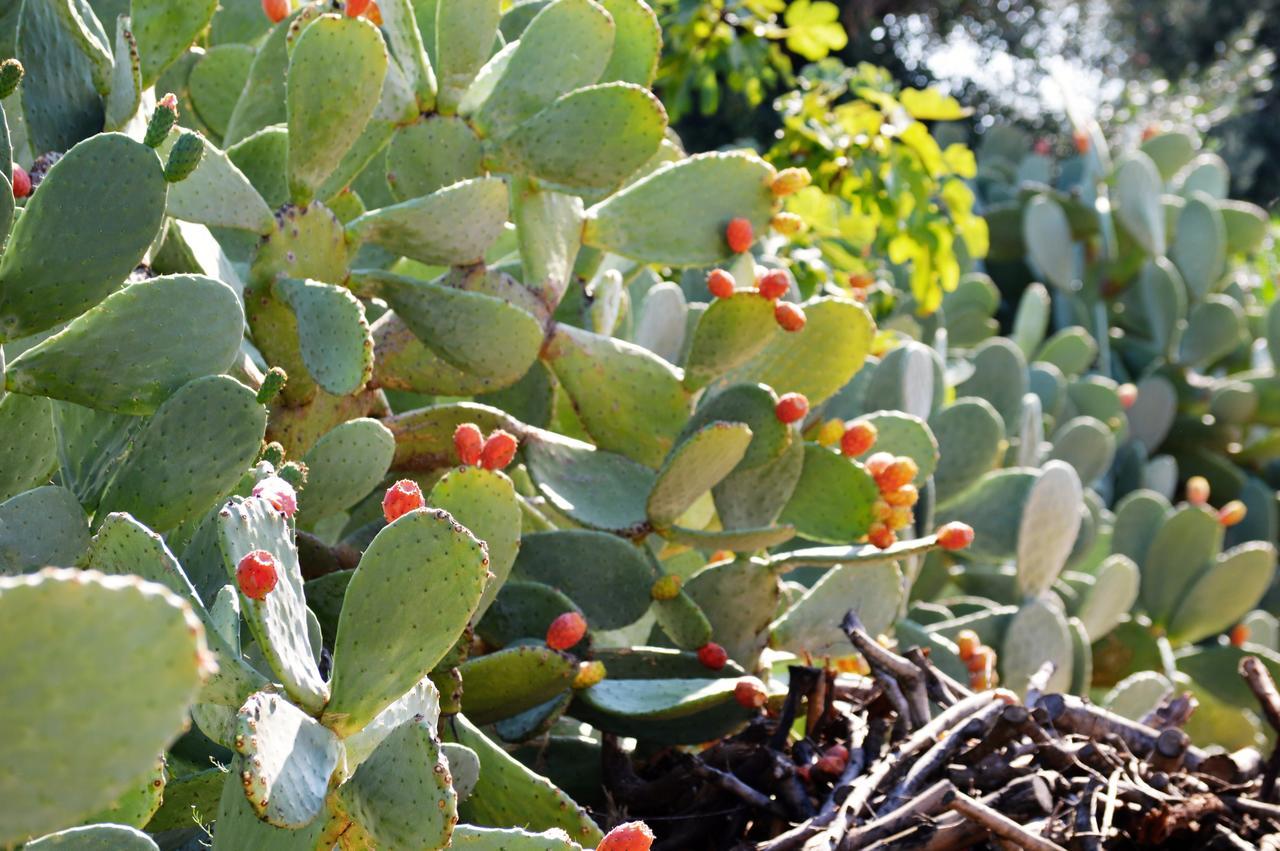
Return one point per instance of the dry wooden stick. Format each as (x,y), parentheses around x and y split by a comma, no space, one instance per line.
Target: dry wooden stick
(1000,825)
(1263,687)
(889,667)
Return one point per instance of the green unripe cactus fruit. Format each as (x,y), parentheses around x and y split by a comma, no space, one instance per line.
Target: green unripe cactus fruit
(272,453)
(295,473)
(272,383)
(184,158)
(10,75)
(162,121)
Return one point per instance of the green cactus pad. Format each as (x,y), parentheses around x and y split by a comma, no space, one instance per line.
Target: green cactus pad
(262,159)
(96,837)
(1206,173)
(1114,592)
(190,453)
(424,565)
(755,497)
(1038,633)
(1171,151)
(217,78)
(970,435)
(502,684)
(728,334)
(451,226)
(336,69)
(400,798)
(614,592)
(1048,527)
(1138,517)
(59,98)
(658,699)
(739,598)
(549,231)
(28,445)
(522,610)
(1047,234)
(165,30)
(696,465)
(422,702)
(127,355)
(639,222)
(1246,226)
(424,437)
(744,540)
(431,154)
(404,35)
(903,434)
(1000,377)
(279,622)
(1087,445)
(107,197)
(288,758)
(683,621)
(1200,247)
(1219,598)
(1137,201)
(240,829)
(510,795)
(403,362)
(344,466)
(588,140)
(993,507)
(538,70)
(464,40)
(1136,695)
(812,623)
(1032,319)
(125,97)
(217,193)
(262,102)
(637,44)
(333,335)
(71,762)
(468,837)
(1215,328)
(752,404)
(485,502)
(477,333)
(1181,552)
(45,526)
(138,804)
(1162,298)
(833,500)
(629,400)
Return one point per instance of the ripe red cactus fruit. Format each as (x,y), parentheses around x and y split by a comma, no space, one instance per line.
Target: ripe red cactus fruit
(877,463)
(774,284)
(21,182)
(498,450)
(750,693)
(632,836)
(968,642)
(402,497)
(720,283)
(791,408)
(713,656)
(1128,394)
(897,473)
(566,631)
(739,235)
(356,8)
(881,536)
(1197,490)
(276,10)
(468,442)
(955,536)
(983,658)
(790,317)
(1239,635)
(279,493)
(1232,513)
(257,574)
(904,497)
(858,438)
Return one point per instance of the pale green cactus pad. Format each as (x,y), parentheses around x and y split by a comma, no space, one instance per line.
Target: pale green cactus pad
(288,759)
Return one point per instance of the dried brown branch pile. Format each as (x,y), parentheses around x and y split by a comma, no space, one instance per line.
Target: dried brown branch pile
(910,759)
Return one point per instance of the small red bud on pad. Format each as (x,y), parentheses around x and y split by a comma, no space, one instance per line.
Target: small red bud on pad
(566,631)
(402,497)
(257,574)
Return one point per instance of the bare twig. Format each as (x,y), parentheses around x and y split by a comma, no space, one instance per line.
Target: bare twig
(1002,826)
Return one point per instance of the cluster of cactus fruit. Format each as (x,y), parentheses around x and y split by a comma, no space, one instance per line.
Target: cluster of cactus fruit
(379,457)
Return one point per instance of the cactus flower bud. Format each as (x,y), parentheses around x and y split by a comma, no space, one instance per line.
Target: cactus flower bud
(468,442)
(162,121)
(790,317)
(881,536)
(789,181)
(21,182)
(792,407)
(666,587)
(1198,490)
(955,536)
(904,497)
(257,574)
(1232,513)
(184,158)
(566,631)
(739,235)
(275,10)
(720,283)
(272,383)
(830,433)
(401,498)
(713,656)
(589,674)
(750,693)
(498,450)
(11,72)
(787,224)
(773,284)
(279,493)
(858,438)
(632,836)
(897,473)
